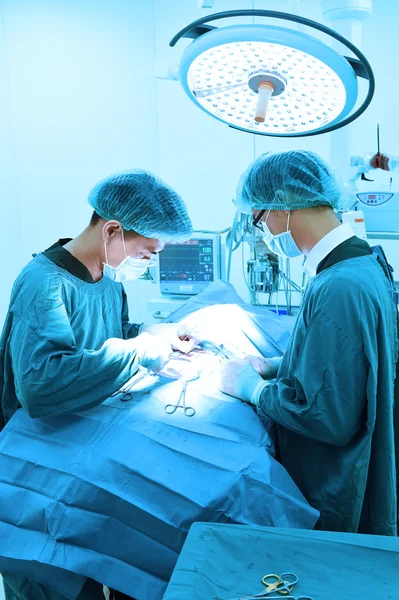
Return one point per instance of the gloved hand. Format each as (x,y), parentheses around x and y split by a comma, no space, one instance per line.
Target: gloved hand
(238,378)
(177,335)
(266,367)
(152,352)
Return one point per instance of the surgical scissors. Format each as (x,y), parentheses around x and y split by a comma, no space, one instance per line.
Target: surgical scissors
(276,586)
(188,411)
(290,597)
(126,392)
(283,584)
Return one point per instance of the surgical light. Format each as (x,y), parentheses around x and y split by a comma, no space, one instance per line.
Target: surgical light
(272,80)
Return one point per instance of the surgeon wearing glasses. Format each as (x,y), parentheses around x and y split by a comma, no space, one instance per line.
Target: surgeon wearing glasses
(331,395)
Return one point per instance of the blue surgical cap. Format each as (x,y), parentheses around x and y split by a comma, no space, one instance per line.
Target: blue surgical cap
(288,180)
(142,202)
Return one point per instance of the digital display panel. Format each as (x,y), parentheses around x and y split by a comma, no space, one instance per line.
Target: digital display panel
(187,262)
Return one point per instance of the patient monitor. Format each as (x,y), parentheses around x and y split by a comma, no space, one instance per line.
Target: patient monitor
(187,268)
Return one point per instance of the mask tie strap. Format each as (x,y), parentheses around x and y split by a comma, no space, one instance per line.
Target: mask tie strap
(106,254)
(288,222)
(123,241)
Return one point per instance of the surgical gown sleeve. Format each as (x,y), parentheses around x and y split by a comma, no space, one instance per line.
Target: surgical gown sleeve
(321,387)
(130,330)
(52,374)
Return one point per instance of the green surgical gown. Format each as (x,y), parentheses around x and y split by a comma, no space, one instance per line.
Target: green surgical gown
(66,343)
(333,398)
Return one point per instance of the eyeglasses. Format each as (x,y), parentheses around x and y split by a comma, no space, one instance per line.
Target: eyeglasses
(257,221)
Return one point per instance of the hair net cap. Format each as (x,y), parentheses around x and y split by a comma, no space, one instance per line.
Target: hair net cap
(288,180)
(143,203)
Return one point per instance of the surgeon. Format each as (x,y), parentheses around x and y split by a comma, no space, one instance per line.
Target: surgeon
(331,395)
(67,343)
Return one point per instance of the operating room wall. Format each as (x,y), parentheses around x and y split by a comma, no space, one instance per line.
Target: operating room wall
(10,237)
(77,102)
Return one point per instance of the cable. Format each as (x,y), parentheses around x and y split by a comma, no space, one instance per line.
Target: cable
(285,283)
(251,289)
(220,232)
(286,287)
(289,287)
(277,310)
(230,239)
(294,285)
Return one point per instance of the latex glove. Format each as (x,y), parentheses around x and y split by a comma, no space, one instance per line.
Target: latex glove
(152,352)
(266,367)
(238,378)
(380,161)
(176,334)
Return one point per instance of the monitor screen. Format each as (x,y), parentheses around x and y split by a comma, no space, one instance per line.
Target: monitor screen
(188,267)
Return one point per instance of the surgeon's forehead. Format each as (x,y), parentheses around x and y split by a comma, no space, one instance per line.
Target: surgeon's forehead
(141,243)
(152,244)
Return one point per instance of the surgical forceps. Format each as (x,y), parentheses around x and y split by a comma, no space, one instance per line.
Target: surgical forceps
(126,392)
(188,411)
(218,349)
(276,587)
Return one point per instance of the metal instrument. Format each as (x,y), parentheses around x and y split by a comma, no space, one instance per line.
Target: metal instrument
(218,349)
(277,587)
(283,584)
(188,411)
(126,392)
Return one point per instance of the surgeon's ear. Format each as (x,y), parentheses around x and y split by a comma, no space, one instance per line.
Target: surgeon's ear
(110,230)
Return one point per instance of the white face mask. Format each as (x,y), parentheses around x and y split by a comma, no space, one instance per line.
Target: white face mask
(129,269)
(282,244)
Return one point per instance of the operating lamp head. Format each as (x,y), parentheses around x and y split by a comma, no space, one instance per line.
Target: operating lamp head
(271,80)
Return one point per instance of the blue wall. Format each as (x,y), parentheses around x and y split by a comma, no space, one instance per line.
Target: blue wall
(79,102)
